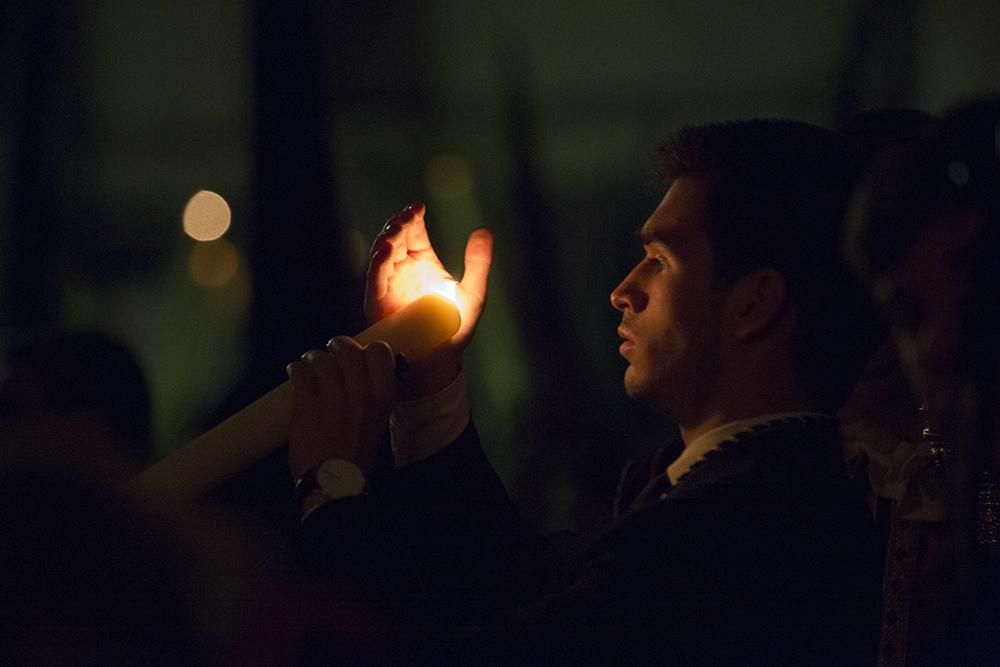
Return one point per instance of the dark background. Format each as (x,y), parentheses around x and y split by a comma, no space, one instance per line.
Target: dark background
(318,120)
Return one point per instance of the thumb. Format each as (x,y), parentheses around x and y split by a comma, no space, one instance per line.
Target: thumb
(478,258)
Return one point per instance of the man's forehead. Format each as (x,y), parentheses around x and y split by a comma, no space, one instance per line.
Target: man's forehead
(679,215)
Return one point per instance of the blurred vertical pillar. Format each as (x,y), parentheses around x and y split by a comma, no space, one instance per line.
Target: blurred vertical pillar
(879,68)
(34,39)
(303,289)
(555,417)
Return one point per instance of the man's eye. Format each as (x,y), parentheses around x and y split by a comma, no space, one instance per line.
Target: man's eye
(658,259)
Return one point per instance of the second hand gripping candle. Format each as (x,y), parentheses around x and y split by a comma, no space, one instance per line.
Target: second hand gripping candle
(187,475)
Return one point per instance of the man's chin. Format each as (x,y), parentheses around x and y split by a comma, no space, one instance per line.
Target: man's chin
(634,386)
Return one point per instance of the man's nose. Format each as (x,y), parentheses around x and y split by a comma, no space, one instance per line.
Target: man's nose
(627,296)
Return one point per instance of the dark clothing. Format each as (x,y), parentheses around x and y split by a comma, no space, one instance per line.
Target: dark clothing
(761,554)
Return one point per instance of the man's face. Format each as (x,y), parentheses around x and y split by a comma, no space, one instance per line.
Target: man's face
(671,308)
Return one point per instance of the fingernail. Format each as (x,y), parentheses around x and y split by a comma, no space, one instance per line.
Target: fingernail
(331,343)
(288,370)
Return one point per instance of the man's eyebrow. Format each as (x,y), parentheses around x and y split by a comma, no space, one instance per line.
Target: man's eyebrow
(647,237)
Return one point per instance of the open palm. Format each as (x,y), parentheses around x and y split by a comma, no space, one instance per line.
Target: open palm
(404,267)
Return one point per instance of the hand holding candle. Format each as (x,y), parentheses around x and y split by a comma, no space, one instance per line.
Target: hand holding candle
(184,477)
(340,406)
(405,279)
(404,266)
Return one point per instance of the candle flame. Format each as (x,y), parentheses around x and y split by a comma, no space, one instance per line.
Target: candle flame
(447,289)
(427,280)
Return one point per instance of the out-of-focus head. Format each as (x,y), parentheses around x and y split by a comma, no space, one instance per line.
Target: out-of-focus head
(88,581)
(883,396)
(78,397)
(924,231)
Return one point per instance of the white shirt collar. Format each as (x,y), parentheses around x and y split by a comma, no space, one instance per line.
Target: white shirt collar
(696,450)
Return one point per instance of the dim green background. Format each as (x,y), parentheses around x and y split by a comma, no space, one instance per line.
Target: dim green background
(318,120)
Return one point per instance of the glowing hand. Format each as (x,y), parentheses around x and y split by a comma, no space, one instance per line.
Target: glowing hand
(403,267)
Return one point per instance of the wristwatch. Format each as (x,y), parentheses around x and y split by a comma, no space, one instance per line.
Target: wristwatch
(334,478)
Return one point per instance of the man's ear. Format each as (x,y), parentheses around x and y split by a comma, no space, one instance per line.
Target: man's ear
(756,302)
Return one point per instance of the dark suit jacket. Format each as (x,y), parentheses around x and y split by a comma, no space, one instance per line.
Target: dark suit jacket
(762,554)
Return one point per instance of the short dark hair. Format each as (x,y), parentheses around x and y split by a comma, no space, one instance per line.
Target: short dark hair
(779,192)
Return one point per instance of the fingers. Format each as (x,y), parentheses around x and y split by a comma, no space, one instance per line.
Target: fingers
(392,239)
(302,376)
(405,232)
(416,229)
(350,359)
(478,258)
(341,403)
(379,271)
(390,247)
(346,373)
(329,376)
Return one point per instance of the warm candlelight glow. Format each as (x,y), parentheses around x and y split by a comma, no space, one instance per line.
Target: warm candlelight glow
(187,475)
(428,316)
(417,328)
(445,288)
(427,279)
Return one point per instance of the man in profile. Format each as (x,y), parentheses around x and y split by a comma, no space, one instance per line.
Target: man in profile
(741,323)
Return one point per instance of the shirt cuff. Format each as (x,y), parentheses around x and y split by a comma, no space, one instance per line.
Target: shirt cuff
(422,428)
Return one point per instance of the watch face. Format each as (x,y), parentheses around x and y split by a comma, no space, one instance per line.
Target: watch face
(338,478)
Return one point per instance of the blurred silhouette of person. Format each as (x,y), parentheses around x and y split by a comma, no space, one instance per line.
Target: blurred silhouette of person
(88,581)
(78,398)
(925,231)
(882,431)
(741,322)
(90,575)
(881,418)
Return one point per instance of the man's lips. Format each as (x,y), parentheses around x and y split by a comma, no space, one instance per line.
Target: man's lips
(627,343)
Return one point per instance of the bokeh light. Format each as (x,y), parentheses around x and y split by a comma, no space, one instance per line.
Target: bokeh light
(206,216)
(214,263)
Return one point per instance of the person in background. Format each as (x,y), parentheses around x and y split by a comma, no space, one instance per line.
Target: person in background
(88,580)
(80,399)
(925,232)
